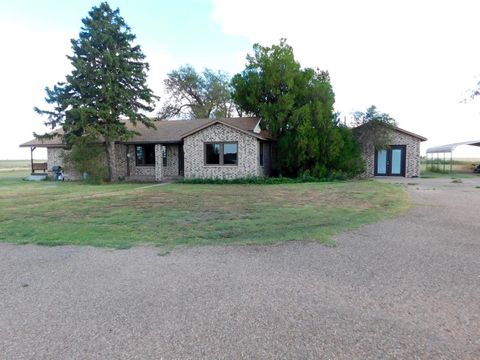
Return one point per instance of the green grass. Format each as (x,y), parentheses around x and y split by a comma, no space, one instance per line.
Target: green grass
(124,215)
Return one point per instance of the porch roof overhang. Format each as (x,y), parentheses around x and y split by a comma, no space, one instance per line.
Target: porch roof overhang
(449,148)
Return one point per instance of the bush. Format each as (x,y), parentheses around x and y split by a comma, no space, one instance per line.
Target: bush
(87,157)
(305,178)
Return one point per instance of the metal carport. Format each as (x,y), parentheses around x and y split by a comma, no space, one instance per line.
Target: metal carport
(446,149)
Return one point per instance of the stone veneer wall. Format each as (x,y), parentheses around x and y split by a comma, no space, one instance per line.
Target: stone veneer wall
(145,173)
(412,156)
(55,158)
(194,151)
(172,160)
(155,172)
(138,173)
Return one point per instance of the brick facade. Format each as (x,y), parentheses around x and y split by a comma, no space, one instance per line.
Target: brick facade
(55,157)
(248,154)
(412,156)
(136,173)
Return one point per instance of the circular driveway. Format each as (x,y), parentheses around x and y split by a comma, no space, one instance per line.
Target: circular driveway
(405,288)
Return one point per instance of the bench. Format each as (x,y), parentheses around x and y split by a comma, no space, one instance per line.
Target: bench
(39,167)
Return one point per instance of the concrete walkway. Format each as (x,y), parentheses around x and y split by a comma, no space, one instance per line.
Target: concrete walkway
(407,288)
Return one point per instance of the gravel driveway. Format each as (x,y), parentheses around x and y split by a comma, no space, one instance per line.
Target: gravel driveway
(407,288)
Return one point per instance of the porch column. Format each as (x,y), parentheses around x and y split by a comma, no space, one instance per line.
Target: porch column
(158,163)
(32,149)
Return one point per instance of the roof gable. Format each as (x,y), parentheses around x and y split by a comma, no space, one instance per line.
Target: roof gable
(396,128)
(220,122)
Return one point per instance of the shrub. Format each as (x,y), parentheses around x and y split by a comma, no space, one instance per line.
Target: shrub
(305,178)
(87,157)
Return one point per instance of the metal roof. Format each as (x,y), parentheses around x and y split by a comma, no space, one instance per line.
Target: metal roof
(450,147)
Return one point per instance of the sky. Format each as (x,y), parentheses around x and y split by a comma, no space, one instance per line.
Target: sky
(415,60)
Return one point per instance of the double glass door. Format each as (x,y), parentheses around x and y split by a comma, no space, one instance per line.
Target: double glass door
(391,161)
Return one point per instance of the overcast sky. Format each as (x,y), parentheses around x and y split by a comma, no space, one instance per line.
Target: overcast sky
(415,60)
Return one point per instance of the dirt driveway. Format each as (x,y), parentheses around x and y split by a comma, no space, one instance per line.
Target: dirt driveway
(407,288)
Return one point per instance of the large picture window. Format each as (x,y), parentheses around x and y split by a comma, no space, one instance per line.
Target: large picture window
(221,153)
(145,155)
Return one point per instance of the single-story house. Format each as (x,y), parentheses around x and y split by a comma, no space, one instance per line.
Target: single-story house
(222,148)
(400,158)
(202,148)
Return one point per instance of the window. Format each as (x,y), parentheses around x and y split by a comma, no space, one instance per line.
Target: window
(221,153)
(230,154)
(261,153)
(145,155)
(212,154)
(164,155)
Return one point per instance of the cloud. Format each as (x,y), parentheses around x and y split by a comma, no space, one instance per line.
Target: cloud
(35,59)
(413,59)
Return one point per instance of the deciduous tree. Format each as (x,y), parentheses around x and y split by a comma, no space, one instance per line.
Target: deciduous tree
(296,106)
(373,128)
(192,95)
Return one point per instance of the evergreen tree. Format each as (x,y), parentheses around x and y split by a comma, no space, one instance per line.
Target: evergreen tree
(108,82)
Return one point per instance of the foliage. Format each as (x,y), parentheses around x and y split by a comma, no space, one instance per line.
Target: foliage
(373,128)
(259,180)
(108,81)
(296,106)
(194,95)
(87,157)
(123,215)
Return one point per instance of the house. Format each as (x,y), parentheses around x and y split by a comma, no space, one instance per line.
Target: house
(400,158)
(223,148)
(201,148)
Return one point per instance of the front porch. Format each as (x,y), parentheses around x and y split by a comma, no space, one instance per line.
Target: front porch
(151,162)
(37,166)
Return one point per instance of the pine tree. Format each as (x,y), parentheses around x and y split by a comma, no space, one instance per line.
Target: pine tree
(108,82)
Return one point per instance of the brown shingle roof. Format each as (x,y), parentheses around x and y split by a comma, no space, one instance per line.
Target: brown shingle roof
(171,131)
(396,128)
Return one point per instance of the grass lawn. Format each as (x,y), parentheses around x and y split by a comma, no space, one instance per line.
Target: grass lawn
(123,215)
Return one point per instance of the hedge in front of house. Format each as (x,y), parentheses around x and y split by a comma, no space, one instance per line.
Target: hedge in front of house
(267,180)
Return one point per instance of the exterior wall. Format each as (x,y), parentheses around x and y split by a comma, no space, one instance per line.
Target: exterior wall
(55,158)
(153,172)
(172,160)
(412,156)
(136,173)
(194,154)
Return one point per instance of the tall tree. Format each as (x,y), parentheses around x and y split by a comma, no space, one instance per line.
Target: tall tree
(373,128)
(296,106)
(108,82)
(194,95)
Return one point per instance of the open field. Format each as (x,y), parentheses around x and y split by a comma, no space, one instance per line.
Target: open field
(122,215)
(16,168)
(15,165)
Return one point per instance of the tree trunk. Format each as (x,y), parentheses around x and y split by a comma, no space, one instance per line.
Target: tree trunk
(111,163)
